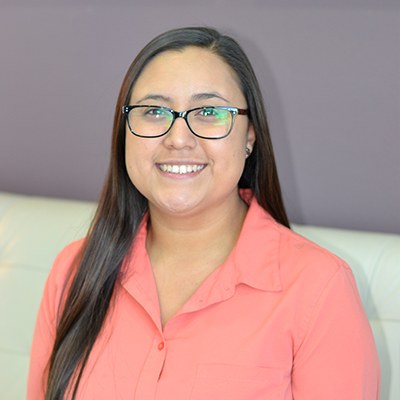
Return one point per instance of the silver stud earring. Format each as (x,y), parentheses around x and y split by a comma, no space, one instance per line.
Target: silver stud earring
(248,151)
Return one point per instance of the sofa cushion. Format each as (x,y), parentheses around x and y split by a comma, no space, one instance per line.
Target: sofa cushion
(32,232)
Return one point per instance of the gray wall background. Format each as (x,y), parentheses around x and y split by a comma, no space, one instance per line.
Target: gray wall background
(329,70)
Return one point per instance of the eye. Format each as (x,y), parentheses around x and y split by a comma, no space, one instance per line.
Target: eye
(208,112)
(212,115)
(155,112)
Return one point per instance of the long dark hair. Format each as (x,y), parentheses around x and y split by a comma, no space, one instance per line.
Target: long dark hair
(121,208)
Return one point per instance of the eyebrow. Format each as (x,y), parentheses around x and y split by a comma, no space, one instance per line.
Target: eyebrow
(208,95)
(196,97)
(152,96)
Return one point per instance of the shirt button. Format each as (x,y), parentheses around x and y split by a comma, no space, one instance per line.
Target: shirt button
(160,346)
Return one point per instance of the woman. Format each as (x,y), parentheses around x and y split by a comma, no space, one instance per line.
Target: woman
(190,284)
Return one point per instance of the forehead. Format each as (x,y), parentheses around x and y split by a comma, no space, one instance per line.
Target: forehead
(187,71)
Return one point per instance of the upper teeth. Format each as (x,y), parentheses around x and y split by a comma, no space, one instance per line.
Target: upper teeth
(180,169)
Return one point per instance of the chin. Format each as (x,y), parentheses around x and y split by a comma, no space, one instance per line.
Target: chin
(179,208)
(178,205)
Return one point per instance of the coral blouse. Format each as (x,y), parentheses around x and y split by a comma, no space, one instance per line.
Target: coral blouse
(280,319)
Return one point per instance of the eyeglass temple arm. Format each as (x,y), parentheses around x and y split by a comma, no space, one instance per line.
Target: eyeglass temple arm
(242,111)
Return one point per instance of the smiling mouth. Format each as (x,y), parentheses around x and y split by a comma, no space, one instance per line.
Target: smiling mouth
(181,169)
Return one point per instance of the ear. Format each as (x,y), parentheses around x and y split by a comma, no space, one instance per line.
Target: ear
(251,137)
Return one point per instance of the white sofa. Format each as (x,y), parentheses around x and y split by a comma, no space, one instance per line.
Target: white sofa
(34,229)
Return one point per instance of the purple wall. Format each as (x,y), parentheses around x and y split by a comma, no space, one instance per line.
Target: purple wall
(330,73)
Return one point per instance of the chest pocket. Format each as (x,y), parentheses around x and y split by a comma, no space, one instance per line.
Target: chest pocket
(218,381)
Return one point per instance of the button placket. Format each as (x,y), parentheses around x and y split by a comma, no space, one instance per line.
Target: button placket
(152,369)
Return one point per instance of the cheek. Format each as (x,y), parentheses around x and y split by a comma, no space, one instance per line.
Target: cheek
(129,156)
(237,155)
(229,159)
(137,150)
(136,156)
(235,150)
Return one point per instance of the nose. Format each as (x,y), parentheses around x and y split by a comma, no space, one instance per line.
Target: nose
(179,135)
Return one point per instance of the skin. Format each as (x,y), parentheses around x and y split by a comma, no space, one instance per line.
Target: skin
(188,211)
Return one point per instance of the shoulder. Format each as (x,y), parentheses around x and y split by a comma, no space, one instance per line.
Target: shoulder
(317,278)
(305,262)
(56,285)
(293,253)
(304,266)
(266,243)
(63,267)
(320,284)
(66,257)
(303,252)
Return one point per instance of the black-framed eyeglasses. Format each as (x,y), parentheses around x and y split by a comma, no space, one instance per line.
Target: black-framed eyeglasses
(213,122)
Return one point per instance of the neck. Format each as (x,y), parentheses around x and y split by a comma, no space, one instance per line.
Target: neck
(205,238)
